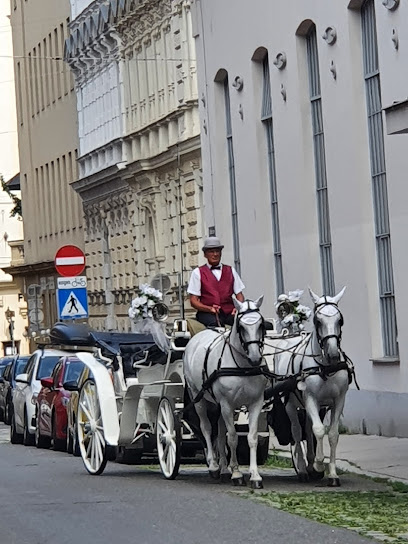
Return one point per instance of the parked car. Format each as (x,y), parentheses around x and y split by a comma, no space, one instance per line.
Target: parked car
(17,366)
(51,403)
(72,410)
(3,386)
(40,365)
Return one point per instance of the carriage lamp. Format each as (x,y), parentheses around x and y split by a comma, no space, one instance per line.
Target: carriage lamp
(9,316)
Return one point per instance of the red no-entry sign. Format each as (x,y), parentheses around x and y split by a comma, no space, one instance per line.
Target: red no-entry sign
(69,261)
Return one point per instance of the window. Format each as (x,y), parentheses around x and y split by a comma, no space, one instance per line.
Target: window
(379,180)
(326,260)
(266,117)
(231,170)
(20,94)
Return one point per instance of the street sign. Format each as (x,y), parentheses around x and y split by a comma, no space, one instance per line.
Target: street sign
(72,303)
(71,283)
(69,261)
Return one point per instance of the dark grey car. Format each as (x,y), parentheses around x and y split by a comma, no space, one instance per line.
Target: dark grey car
(15,366)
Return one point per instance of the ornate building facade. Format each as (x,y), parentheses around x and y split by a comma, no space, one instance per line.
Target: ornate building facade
(139,155)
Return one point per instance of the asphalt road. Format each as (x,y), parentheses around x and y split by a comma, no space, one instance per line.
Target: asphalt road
(47,497)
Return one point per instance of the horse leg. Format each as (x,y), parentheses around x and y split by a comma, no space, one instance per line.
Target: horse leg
(206,429)
(296,429)
(312,409)
(333,436)
(228,415)
(253,416)
(222,450)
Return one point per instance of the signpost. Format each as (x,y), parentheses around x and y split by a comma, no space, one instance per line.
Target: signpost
(72,297)
(69,261)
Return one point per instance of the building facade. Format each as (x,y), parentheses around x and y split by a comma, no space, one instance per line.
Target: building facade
(13,334)
(139,153)
(48,143)
(304,172)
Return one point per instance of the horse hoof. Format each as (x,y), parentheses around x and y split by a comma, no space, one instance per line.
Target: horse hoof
(225,477)
(316,475)
(256,484)
(239,482)
(215,474)
(334,482)
(302,477)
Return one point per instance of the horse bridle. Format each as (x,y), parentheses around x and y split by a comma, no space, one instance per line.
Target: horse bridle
(244,343)
(328,336)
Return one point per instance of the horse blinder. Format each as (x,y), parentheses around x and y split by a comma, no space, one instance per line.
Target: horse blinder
(244,343)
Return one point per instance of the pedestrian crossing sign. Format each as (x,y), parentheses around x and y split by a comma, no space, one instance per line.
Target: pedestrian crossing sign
(72,303)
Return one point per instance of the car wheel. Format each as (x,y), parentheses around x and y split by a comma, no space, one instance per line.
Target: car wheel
(75,443)
(7,414)
(15,437)
(57,443)
(40,440)
(28,439)
(70,447)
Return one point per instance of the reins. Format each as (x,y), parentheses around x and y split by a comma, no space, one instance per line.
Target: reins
(284,383)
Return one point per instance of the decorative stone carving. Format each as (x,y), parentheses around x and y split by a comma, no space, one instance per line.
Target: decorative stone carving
(280,61)
(330,35)
(390,4)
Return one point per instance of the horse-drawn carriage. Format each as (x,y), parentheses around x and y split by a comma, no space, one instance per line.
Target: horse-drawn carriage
(137,401)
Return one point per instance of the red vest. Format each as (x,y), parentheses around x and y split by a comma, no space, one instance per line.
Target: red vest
(217,292)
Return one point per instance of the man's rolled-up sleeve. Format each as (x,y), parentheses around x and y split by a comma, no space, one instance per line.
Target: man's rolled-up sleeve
(194,285)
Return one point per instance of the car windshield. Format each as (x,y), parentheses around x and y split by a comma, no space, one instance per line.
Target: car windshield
(73,371)
(20,365)
(47,365)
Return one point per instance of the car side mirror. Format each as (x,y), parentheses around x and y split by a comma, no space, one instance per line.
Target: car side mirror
(22,378)
(71,385)
(47,382)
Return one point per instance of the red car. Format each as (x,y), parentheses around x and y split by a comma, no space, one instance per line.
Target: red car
(51,404)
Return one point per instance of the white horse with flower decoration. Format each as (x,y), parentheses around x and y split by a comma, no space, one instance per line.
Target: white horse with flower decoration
(322,372)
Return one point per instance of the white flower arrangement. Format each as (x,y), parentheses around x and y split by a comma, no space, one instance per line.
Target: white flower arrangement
(142,304)
(290,311)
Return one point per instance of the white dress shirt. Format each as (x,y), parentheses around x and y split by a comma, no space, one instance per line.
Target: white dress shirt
(194,286)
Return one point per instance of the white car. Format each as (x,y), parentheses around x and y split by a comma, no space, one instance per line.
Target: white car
(28,385)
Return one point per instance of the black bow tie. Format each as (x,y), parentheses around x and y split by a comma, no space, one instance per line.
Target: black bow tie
(216,267)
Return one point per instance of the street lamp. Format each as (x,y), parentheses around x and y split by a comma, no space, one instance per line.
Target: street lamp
(9,316)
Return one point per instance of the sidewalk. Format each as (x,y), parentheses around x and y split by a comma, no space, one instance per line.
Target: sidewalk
(375,456)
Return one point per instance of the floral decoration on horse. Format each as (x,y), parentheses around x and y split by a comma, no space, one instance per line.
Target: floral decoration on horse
(290,312)
(142,305)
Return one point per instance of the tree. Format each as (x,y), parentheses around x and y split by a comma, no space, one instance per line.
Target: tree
(16,210)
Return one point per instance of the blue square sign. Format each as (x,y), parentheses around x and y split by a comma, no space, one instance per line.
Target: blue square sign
(72,303)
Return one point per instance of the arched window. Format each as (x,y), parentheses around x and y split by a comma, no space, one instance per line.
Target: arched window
(379,179)
(222,78)
(267,121)
(326,259)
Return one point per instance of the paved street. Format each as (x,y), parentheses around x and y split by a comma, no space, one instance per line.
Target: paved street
(47,497)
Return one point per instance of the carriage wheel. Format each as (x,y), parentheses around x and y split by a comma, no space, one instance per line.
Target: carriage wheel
(91,437)
(303,445)
(168,431)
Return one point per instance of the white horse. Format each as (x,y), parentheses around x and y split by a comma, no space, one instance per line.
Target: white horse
(239,353)
(323,382)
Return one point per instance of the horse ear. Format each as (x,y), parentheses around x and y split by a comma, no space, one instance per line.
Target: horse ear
(258,301)
(237,304)
(314,297)
(337,298)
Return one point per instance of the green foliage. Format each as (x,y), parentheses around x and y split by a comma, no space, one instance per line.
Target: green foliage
(399,487)
(382,515)
(277,461)
(16,210)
